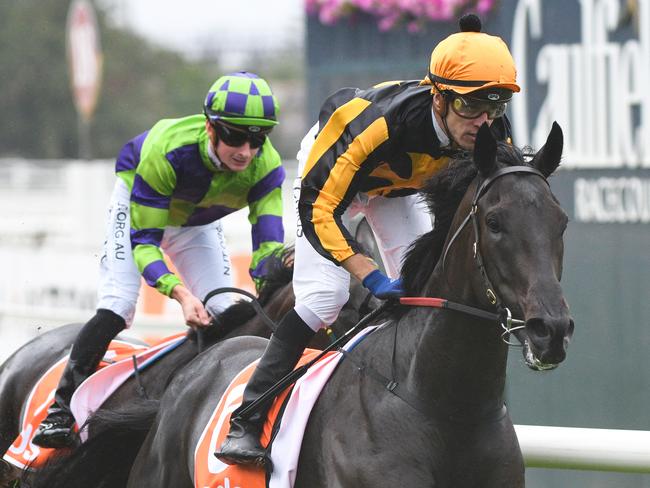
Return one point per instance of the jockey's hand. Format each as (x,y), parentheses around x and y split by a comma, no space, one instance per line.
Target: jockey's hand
(382,286)
(194,312)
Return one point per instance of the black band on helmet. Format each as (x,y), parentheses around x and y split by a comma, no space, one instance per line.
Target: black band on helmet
(446,81)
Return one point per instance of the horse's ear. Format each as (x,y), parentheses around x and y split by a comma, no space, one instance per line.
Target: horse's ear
(485,150)
(548,157)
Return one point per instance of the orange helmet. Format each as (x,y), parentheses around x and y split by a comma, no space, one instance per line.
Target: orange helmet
(471,60)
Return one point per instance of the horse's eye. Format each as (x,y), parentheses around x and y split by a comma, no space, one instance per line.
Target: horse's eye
(493,223)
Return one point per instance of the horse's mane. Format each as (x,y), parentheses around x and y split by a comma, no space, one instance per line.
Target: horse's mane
(443,194)
(278,273)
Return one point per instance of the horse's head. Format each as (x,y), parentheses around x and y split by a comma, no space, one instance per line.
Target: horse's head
(519,226)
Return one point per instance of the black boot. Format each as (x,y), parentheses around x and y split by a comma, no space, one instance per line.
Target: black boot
(56,430)
(242,444)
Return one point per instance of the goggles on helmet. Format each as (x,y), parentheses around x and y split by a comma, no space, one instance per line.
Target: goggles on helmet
(470,108)
(236,137)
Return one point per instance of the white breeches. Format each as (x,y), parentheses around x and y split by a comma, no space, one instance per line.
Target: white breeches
(198,253)
(321,287)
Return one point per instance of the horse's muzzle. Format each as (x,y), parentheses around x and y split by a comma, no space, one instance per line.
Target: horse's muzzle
(547,342)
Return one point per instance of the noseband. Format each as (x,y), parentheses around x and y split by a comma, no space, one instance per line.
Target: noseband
(506,319)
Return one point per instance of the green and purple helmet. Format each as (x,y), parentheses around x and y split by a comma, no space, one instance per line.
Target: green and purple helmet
(242,98)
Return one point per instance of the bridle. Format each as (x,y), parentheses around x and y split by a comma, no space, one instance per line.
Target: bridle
(503,315)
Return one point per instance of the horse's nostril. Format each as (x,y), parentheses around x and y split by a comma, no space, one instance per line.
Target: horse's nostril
(537,328)
(571,327)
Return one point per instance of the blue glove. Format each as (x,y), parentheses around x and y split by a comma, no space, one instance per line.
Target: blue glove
(382,286)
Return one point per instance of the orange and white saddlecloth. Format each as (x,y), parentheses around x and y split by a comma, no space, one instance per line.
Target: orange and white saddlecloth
(209,472)
(111,373)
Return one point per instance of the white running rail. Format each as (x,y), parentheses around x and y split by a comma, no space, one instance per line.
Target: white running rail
(626,451)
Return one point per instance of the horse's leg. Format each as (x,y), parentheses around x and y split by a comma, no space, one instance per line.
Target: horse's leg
(492,451)
(507,469)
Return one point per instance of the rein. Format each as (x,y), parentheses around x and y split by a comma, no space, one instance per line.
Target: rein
(293,376)
(504,318)
(200,341)
(200,332)
(254,303)
(390,384)
(403,393)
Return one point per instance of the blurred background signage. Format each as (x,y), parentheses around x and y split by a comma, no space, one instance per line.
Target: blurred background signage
(85,62)
(595,70)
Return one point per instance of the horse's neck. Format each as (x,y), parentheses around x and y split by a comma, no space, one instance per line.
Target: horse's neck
(458,361)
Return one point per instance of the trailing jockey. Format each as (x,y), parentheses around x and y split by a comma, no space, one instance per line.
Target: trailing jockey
(174,182)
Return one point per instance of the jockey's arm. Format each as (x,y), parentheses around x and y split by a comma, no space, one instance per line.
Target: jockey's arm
(359,266)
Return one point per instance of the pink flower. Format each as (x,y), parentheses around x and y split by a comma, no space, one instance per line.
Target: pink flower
(328,15)
(415,13)
(387,23)
(365,5)
(311,6)
(484,6)
(414,27)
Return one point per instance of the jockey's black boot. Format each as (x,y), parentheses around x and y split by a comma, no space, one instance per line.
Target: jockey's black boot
(242,444)
(57,429)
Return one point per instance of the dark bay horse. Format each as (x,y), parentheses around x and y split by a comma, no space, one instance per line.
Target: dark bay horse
(115,449)
(419,402)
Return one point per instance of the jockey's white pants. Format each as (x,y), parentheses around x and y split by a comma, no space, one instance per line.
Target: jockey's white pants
(321,287)
(199,254)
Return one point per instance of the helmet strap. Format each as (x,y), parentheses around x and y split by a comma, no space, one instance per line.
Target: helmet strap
(444,114)
(452,141)
(214,143)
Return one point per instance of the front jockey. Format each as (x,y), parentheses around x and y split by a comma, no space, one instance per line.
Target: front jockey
(374,150)
(174,183)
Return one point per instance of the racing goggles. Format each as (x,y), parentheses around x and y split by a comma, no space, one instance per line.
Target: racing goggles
(235,137)
(470,108)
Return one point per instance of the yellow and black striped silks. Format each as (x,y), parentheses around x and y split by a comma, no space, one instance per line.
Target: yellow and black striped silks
(379,141)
